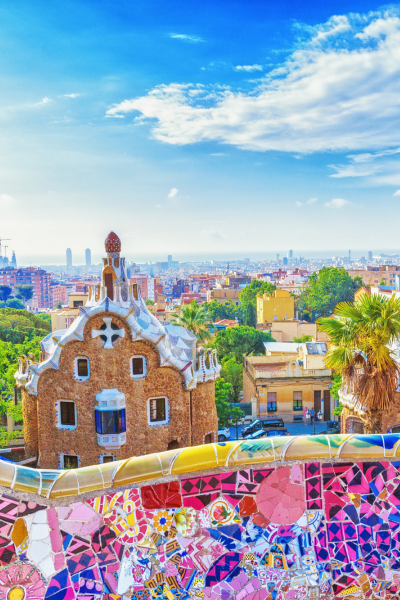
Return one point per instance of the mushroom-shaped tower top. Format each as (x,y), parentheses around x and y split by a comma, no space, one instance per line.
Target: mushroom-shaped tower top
(112,243)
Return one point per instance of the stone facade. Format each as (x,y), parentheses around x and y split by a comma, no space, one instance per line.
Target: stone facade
(107,336)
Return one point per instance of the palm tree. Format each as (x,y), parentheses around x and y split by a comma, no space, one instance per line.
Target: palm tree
(195,318)
(362,336)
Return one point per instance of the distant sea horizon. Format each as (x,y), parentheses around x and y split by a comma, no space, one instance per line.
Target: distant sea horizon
(57,261)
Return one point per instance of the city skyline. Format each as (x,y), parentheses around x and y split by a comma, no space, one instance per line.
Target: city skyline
(280,123)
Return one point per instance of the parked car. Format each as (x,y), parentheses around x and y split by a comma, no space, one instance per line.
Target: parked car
(258,424)
(332,427)
(223,434)
(262,433)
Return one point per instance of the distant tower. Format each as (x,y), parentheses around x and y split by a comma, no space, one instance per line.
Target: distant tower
(69,257)
(290,254)
(13,261)
(369,255)
(285,260)
(277,258)
(170,258)
(349,254)
(88,257)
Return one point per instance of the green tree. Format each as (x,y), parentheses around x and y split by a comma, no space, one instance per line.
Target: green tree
(304,338)
(325,290)
(149,302)
(9,353)
(5,292)
(16,325)
(26,291)
(58,305)
(232,372)
(240,341)
(225,411)
(362,334)
(217,310)
(14,303)
(248,300)
(196,319)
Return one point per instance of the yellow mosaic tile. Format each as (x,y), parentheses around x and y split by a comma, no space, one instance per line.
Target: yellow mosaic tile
(89,479)
(167,460)
(108,471)
(308,447)
(65,485)
(138,468)
(194,459)
(223,451)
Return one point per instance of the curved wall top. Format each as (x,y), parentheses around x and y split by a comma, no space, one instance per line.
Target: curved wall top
(54,484)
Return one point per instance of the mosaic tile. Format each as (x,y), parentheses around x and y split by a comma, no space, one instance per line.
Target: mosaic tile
(323,531)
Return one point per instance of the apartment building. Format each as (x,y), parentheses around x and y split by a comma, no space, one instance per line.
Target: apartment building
(276,307)
(382,274)
(287,380)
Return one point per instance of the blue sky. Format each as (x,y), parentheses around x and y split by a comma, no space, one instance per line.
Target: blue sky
(199,129)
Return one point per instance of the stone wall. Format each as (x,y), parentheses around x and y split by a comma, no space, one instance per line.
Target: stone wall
(256,520)
(110,368)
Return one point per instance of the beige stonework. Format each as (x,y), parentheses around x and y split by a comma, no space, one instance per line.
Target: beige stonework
(110,369)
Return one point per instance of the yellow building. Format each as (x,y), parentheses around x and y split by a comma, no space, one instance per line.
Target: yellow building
(288,380)
(63,317)
(223,295)
(277,307)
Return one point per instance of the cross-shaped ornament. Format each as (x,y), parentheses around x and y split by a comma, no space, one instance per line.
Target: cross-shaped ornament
(108,332)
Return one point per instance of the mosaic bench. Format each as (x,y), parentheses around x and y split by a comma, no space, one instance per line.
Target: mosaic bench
(276,518)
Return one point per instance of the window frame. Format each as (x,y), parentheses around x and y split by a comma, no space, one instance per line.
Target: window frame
(62,455)
(119,420)
(158,423)
(107,455)
(60,425)
(271,402)
(297,402)
(144,366)
(80,377)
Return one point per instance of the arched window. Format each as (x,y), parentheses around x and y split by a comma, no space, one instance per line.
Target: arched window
(173,445)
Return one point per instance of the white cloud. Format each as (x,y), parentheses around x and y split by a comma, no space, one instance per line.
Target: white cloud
(44,100)
(397,193)
(185,38)
(337,203)
(352,171)
(71,95)
(248,68)
(310,201)
(338,91)
(173,193)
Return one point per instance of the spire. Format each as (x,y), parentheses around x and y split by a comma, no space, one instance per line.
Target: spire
(112,243)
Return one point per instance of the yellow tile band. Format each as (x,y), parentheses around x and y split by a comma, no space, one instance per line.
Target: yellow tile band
(59,484)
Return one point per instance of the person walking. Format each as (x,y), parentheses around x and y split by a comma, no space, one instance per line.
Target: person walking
(319,416)
(308,418)
(312,415)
